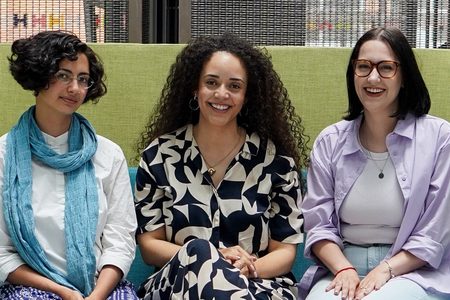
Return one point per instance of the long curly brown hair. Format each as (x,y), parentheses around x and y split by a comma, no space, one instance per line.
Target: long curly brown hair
(267,111)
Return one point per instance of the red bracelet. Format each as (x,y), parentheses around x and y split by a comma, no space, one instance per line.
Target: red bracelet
(344,269)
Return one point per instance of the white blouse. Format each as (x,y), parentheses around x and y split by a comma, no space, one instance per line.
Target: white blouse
(115,243)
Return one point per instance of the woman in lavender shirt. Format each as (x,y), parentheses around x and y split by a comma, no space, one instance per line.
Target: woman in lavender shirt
(377,211)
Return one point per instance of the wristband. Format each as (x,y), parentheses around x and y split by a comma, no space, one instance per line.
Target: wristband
(344,269)
(391,273)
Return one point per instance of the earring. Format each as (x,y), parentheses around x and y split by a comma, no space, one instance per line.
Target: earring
(243,117)
(243,113)
(193,103)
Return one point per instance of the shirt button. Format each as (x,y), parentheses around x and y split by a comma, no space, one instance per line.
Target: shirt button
(216,218)
(404,178)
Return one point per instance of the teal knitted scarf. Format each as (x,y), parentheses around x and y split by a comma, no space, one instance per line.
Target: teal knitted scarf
(24,142)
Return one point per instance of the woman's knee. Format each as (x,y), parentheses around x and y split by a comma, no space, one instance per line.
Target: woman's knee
(400,288)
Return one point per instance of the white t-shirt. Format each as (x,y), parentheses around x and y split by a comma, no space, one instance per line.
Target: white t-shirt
(114,244)
(374,207)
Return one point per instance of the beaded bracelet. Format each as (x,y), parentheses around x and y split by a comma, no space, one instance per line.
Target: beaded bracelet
(391,274)
(344,269)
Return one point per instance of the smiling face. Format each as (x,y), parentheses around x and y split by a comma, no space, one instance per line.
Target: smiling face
(221,90)
(378,95)
(60,100)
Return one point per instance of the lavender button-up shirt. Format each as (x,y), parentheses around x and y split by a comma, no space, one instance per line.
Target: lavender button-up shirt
(420,151)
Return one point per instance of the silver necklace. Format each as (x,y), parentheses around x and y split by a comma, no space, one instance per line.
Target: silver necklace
(381,174)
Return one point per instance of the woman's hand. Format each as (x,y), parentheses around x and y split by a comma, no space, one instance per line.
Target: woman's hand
(345,283)
(68,294)
(374,280)
(346,278)
(240,259)
(401,263)
(107,280)
(90,297)
(249,271)
(24,275)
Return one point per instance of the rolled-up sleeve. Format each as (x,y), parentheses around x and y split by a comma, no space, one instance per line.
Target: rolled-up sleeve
(9,258)
(150,193)
(319,206)
(431,235)
(118,241)
(286,219)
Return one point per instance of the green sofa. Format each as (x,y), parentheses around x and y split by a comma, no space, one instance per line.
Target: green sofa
(314,77)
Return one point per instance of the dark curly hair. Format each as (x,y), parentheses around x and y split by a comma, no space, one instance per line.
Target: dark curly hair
(267,111)
(35,60)
(413,96)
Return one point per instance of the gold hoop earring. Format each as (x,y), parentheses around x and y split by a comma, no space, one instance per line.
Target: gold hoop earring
(193,103)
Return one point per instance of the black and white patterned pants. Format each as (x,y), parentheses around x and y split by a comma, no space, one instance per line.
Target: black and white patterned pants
(199,271)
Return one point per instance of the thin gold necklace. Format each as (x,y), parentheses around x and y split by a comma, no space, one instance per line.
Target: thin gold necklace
(212,169)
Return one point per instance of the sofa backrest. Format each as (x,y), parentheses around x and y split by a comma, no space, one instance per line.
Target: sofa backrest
(314,77)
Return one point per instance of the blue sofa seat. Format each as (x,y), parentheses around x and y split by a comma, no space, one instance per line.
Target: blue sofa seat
(140,270)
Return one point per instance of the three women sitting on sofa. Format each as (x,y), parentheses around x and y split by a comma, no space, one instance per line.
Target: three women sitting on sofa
(219,190)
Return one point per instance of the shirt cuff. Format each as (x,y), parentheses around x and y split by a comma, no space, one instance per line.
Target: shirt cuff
(10,265)
(425,249)
(120,261)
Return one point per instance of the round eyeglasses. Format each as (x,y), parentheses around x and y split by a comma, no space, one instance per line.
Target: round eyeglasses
(385,68)
(66,77)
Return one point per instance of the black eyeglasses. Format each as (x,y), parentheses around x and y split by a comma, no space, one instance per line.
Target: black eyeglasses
(385,68)
(84,81)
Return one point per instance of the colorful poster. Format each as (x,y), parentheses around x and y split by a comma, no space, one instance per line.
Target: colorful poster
(20,19)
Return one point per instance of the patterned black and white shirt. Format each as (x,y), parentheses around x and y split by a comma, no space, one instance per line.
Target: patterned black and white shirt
(257,200)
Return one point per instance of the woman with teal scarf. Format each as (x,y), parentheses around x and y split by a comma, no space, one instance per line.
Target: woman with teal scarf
(67,217)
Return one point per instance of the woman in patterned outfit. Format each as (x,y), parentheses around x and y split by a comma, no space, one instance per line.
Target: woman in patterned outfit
(218,187)
(67,220)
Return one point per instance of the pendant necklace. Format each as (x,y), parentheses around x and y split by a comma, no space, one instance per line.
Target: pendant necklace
(212,169)
(381,174)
